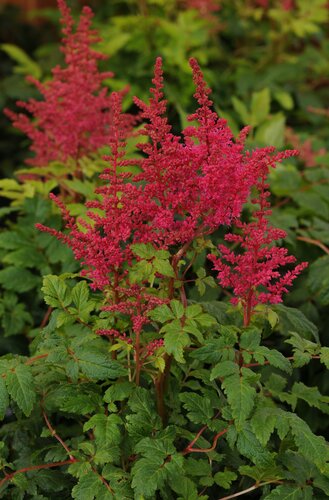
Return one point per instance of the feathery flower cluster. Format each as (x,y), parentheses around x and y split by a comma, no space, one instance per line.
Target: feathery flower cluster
(74,116)
(187,186)
(255,273)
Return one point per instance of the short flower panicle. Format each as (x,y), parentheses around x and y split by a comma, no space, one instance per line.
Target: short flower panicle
(257,272)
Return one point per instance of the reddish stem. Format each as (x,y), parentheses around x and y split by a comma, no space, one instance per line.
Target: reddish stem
(56,436)
(190,449)
(8,477)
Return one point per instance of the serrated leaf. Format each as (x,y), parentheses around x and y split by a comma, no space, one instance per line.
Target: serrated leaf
(285,492)
(263,423)
(177,308)
(161,314)
(240,395)
(324,356)
(18,279)
(4,398)
(56,291)
(293,320)
(224,369)
(225,479)
(160,464)
(80,298)
(96,364)
(144,250)
(318,280)
(106,429)
(118,392)
(274,357)
(250,447)
(311,395)
(311,446)
(163,267)
(90,487)
(175,343)
(198,407)
(20,385)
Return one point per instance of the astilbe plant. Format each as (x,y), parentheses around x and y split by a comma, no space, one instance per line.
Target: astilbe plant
(180,386)
(187,186)
(73,118)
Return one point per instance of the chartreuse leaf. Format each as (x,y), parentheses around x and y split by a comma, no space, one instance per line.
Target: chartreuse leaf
(198,407)
(4,398)
(20,385)
(160,464)
(56,292)
(240,395)
(286,492)
(90,487)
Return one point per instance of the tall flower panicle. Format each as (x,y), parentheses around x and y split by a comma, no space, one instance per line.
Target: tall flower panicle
(74,115)
(257,271)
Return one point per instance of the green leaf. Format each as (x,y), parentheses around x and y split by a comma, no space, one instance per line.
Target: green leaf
(312,447)
(56,292)
(225,479)
(175,342)
(250,447)
(240,395)
(106,430)
(118,392)
(293,320)
(90,487)
(271,132)
(324,356)
(163,267)
(224,369)
(144,250)
(263,423)
(18,279)
(311,395)
(177,308)
(318,280)
(25,65)
(80,298)
(285,492)
(260,106)
(4,398)
(20,385)
(161,464)
(96,365)
(161,314)
(185,487)
(198,407)
(274,357)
